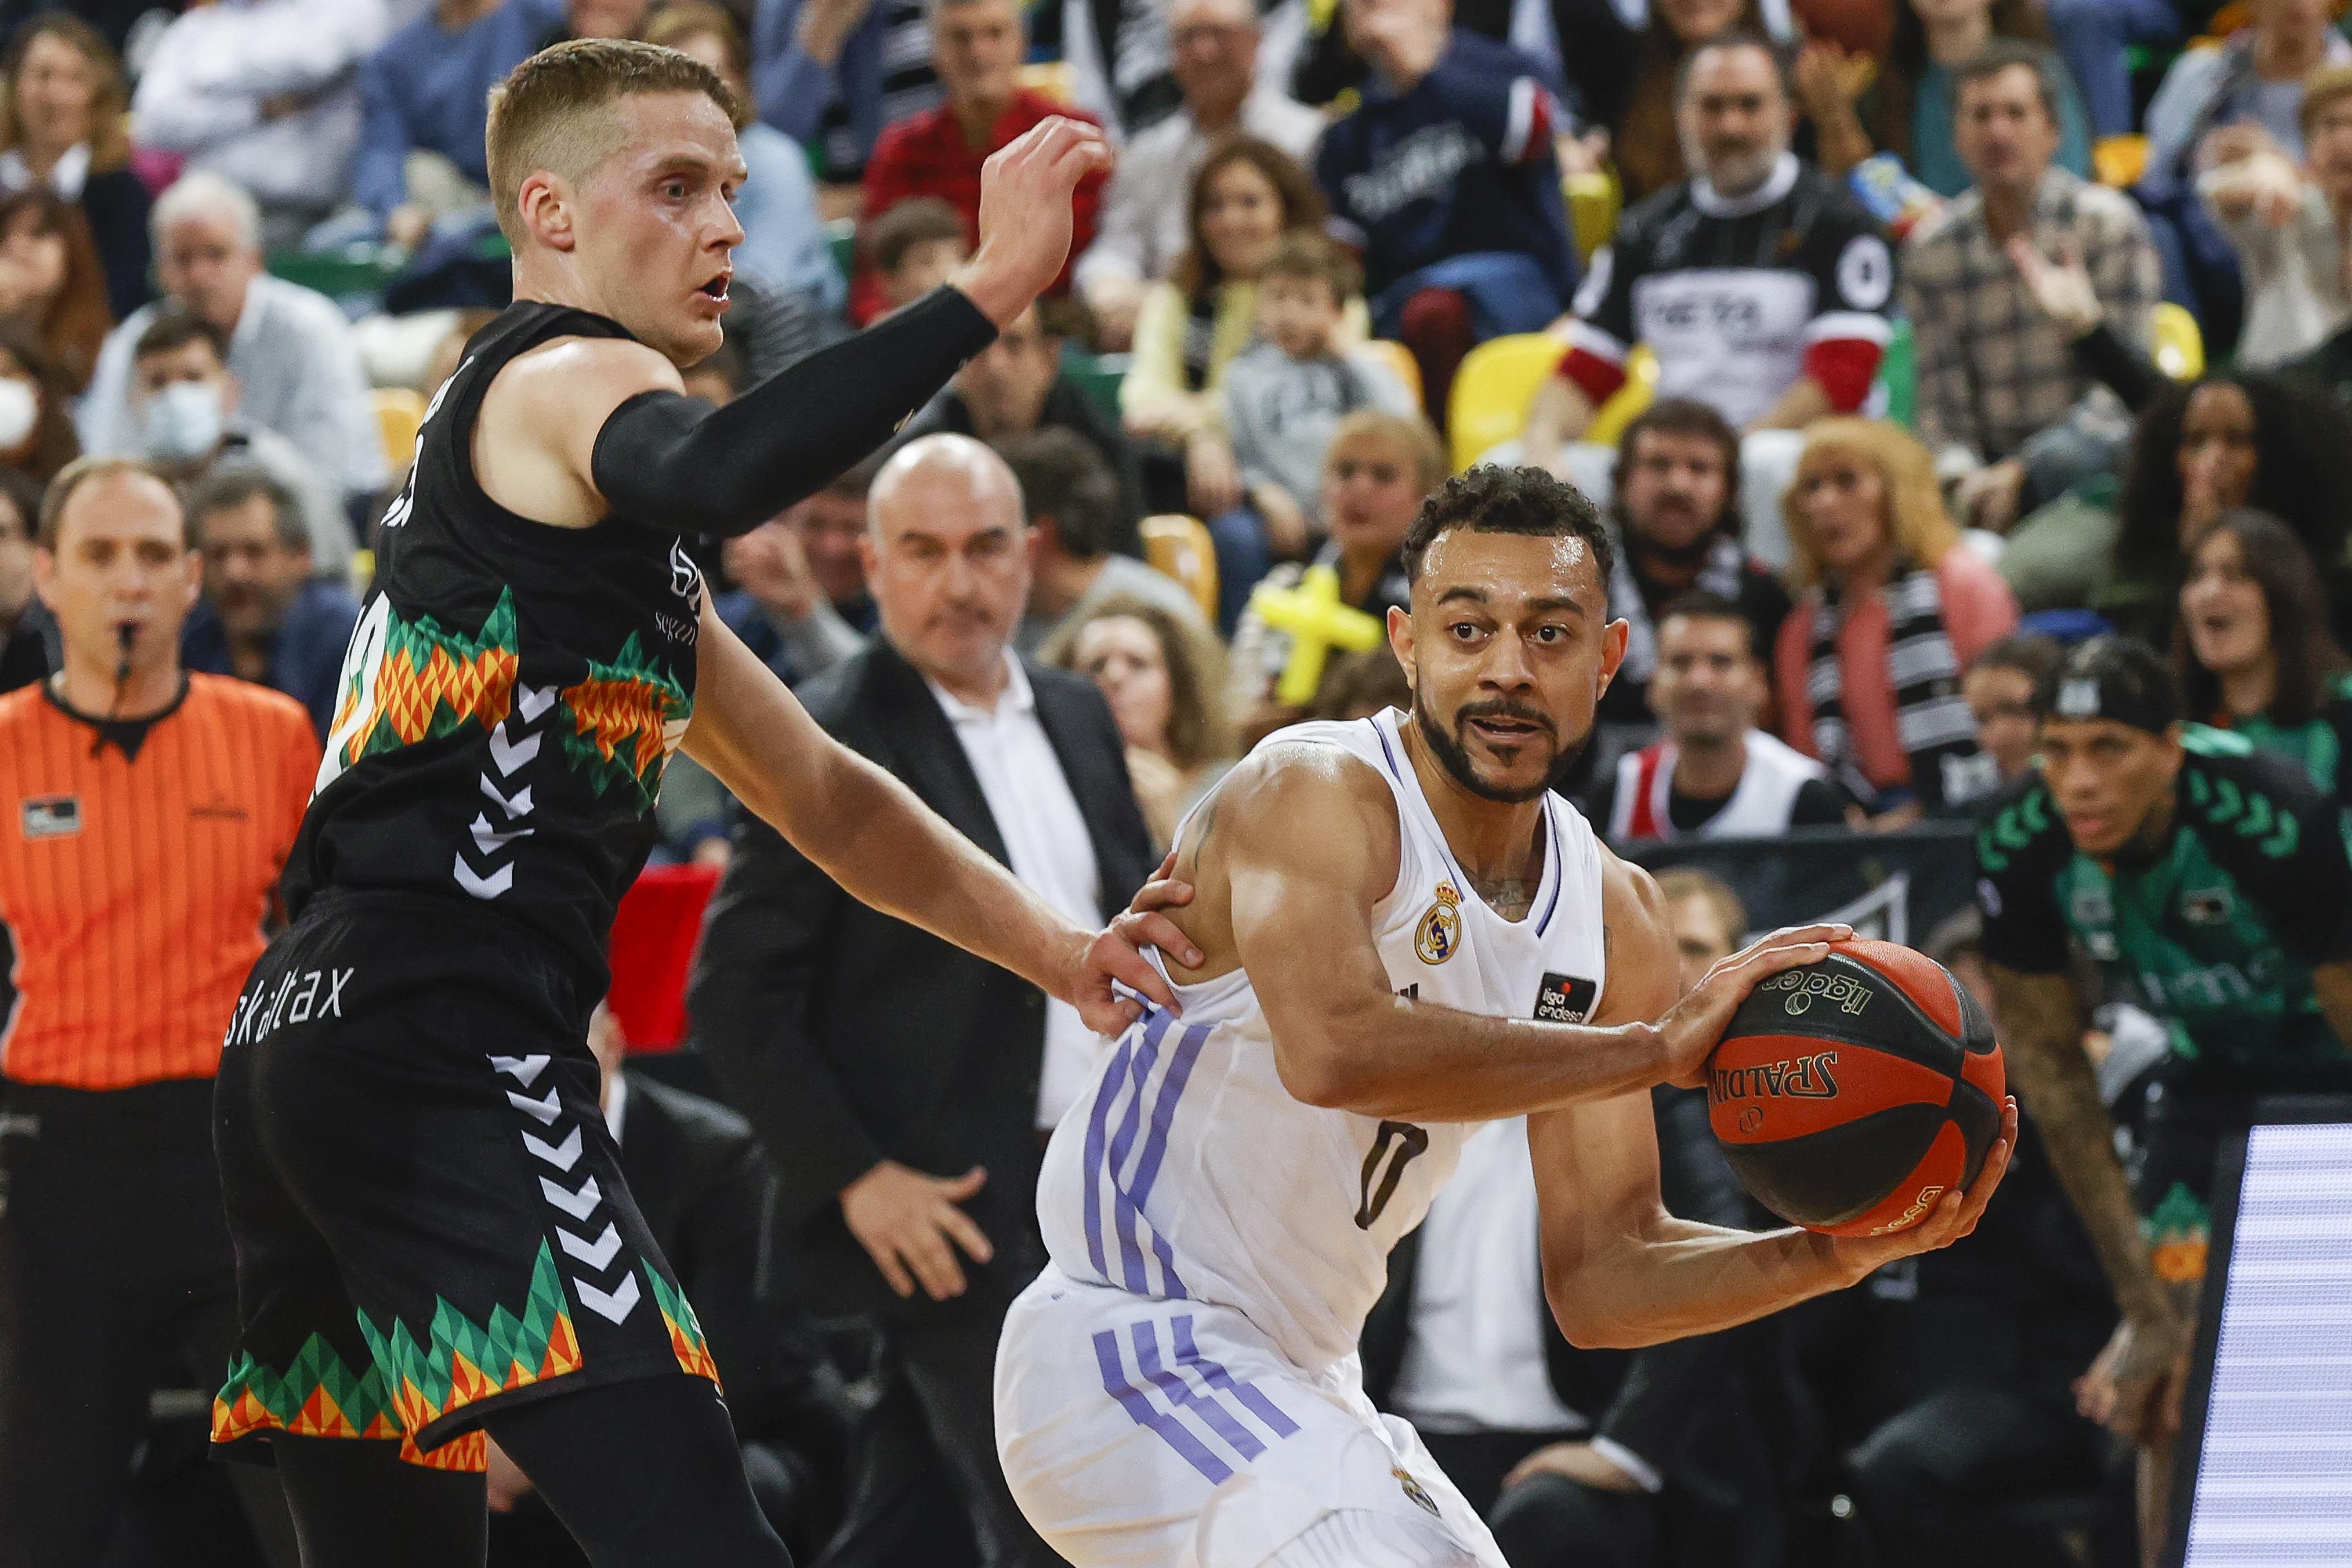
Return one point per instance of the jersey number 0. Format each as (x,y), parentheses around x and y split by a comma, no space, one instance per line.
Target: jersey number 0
(1397,1145)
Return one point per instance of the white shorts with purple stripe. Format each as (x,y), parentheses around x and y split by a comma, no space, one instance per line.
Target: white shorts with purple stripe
(1141,1433)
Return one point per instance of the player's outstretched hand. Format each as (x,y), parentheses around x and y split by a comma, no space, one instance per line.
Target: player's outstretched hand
(1142,925)
(1954,1214)
(1695,1024)
(1025,219)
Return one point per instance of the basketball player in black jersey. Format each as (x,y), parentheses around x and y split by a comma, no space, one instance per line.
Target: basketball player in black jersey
(434,1240)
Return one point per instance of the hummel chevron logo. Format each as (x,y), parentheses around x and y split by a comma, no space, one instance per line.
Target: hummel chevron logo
(575,1204)
(518,807)
(597,1254)
(487,838)
(563,1155)
(511,755)
(510,750)
(612,1305)
(524,1070)
(489,886)
(543,1111)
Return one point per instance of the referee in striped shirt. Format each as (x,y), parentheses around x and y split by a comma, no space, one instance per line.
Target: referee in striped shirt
(147,812)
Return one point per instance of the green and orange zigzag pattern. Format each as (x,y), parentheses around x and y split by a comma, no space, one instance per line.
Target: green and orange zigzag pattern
(686,1340)
(464,1361)
(319,1395)
(431,682)
(620,716)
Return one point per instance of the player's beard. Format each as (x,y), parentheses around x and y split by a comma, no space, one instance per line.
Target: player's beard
(1450,751)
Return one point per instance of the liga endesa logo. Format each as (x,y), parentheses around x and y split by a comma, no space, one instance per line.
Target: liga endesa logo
(1804,1077)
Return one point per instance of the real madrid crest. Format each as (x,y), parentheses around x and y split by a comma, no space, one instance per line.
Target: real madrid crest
(1440,931)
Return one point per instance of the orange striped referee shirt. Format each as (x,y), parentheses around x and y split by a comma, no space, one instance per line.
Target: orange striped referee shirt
(134,887)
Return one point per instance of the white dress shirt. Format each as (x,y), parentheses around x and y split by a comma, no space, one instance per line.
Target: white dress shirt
(1046,839)
(206,85)
(1473,1354)
(298,371)
(1142,230)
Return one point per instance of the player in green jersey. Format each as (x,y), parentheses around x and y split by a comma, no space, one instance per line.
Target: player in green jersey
(2209,881)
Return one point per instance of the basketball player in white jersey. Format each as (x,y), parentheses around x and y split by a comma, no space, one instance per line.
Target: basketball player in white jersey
(1404,933)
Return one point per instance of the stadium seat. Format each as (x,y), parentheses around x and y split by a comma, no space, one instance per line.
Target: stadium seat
(1493,390)
(398,411)
(2120,160)
(1098,376)
(1401,364)
(1049,79)
(1609,422)
(1594,203)
(841,238)
(1898,377)
(2177,345)
(1179,547)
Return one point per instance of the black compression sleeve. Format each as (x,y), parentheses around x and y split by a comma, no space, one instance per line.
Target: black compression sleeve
(674,461)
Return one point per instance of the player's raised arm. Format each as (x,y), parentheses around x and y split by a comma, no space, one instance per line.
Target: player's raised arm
(610,429)
(1618,1271)
(1306,838)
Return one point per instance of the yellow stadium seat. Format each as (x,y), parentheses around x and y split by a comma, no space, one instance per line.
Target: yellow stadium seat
(1048,78)
(2120,160)
(398,411)
(1401,364)
(1494,389)
(1594,202)
(2178,346)
(1179,547)
(1609,422)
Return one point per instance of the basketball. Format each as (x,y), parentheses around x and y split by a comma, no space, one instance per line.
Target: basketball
(1851,1094)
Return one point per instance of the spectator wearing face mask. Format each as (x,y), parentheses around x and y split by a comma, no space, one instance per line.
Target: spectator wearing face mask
(264,617)
(37,434)
(290,347)
(185,413)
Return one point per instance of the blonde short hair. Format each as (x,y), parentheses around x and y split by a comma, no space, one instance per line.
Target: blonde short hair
(1678,883)
(546,114)
(1407,435)
(2323,88)
(1915,518)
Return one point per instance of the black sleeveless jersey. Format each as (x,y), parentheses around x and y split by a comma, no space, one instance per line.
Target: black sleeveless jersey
(511,693)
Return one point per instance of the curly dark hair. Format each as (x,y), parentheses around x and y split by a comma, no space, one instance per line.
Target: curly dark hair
(2308,656)
(2300,434)
(1491,499)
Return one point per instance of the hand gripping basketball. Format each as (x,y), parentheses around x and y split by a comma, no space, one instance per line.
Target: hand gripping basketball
(1025,221)
(1859,1095)
(1693,1024)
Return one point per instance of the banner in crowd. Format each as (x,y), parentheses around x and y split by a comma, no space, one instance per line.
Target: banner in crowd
(1896,888)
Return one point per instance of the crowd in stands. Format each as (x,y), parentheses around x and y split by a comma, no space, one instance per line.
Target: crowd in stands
(1900,357)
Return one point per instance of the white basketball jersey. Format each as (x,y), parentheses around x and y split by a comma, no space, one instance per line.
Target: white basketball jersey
(1187,1171)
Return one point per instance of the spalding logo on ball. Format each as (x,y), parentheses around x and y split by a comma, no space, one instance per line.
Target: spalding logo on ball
(1851,1094)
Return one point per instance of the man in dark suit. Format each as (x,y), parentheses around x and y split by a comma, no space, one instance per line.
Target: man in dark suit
(900,1085)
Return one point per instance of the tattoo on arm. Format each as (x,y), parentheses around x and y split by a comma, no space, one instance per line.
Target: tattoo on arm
(2041,1021)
